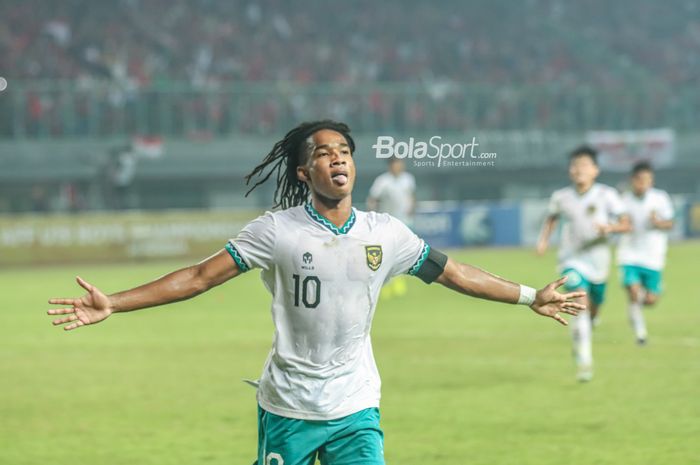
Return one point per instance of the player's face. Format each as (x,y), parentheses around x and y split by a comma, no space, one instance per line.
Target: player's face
(330,168)
(642,181)
(583,171)
(396,166)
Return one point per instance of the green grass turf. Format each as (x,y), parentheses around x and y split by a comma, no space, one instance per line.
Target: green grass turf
(464,381)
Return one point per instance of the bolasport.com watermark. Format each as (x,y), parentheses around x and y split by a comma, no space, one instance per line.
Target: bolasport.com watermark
(434,152)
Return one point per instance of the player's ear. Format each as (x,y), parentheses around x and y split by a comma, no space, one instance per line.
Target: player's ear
(302,174)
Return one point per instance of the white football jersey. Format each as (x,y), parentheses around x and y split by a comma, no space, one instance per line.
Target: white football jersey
(325,283)
(582,248)
(395,194)
(645,245)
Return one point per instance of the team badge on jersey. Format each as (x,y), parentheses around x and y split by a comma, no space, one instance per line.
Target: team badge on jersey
(374,256)
(590,209)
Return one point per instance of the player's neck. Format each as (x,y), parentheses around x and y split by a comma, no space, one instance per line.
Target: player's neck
(581,189)
(335,211)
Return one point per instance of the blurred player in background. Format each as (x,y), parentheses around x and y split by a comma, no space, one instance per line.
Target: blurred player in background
(641,252)
(393,192)
(590,212)
(324,263)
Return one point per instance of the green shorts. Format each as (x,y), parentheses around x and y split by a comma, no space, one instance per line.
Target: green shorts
(595,291)
(648,279)
(352,440)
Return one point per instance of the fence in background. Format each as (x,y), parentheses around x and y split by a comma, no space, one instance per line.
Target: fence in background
(93,109)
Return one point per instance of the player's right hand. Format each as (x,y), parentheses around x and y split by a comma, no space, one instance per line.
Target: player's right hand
(89,309)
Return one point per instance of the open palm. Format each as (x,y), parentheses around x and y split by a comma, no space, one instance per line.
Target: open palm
(89,309)
(548,302)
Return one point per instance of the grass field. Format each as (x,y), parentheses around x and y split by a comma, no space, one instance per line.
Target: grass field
(464,381)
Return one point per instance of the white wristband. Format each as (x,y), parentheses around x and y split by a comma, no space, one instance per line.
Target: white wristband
(527,295)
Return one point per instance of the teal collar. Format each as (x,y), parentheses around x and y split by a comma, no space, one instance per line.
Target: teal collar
(323,221)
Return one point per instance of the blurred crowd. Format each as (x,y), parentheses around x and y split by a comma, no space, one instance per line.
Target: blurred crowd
(528,42)
(125,47)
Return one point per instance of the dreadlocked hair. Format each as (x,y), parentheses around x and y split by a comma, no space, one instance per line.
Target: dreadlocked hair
(284,158)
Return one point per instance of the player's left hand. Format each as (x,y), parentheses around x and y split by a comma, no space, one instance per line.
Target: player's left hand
(550,303)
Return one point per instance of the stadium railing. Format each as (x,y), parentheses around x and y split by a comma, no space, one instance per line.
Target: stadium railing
(40,109)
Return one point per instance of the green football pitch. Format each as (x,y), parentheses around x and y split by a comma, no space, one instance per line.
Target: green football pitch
(464,381)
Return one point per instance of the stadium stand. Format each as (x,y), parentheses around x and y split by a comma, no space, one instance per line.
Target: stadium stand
(205,68)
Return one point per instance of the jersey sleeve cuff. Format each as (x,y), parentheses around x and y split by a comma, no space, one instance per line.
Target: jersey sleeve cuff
(421,259)
(231,249)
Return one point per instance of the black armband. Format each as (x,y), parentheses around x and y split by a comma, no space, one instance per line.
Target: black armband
(432,267)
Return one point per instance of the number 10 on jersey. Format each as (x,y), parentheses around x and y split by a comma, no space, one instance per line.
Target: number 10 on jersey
(309,289)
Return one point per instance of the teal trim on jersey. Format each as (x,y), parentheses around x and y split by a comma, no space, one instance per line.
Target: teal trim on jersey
(356,439)
(421,259)
(236,257)
(320,219)
(649,279)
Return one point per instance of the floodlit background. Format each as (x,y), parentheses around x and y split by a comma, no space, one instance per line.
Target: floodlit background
(126,128)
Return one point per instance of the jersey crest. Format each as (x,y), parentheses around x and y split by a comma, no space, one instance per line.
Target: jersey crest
(374,256)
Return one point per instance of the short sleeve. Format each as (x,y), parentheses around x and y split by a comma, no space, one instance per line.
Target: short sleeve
(411,250)
(254,246)
(616,206)
(554,207)
(377,188)
(666,211)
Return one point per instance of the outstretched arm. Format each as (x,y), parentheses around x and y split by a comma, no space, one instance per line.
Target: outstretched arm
(475,282)
(182,284)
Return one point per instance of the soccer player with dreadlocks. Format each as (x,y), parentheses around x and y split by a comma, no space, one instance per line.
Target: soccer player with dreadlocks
(324,262)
